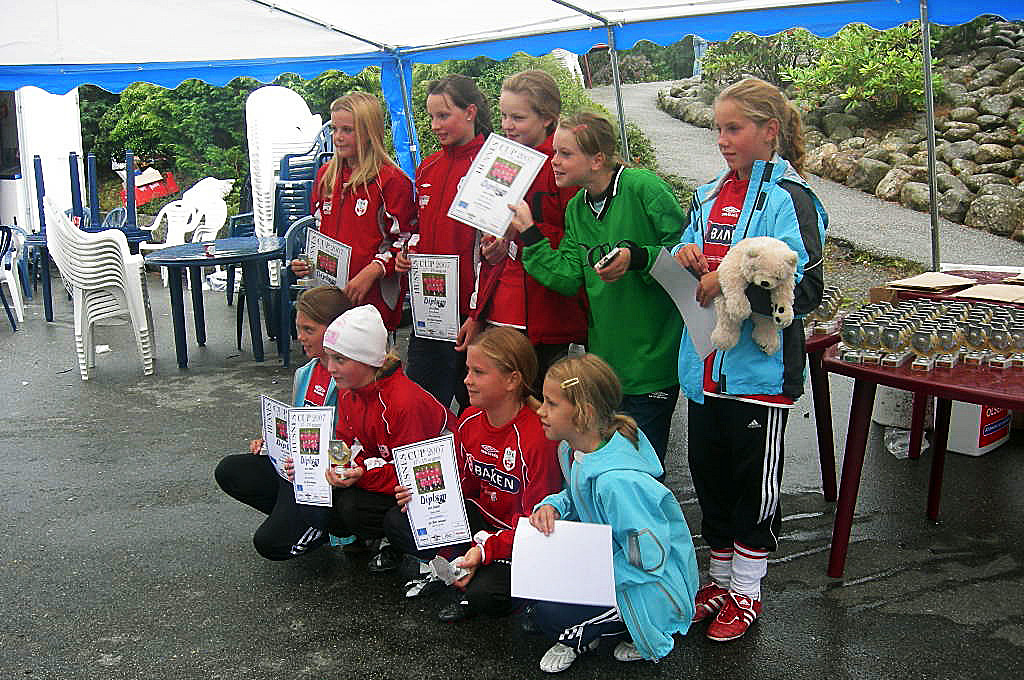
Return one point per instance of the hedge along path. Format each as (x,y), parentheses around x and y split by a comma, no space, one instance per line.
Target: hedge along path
(871,224)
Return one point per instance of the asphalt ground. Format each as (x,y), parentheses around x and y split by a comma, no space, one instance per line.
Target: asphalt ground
(122,559)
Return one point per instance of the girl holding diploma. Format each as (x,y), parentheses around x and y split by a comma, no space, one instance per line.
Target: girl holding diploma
(290,529)
(507,465)
(610,469)
(614,230)
(378,409)
(530,105)
(460,118)
(365,201)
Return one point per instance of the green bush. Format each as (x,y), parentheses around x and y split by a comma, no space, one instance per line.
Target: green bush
(633,68)
(770,58)
(644,62)
(880,69)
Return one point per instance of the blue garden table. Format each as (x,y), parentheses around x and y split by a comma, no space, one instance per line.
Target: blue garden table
(250,252)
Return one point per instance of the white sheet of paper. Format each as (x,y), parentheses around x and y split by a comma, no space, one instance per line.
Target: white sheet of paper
(681,286)
(436,512)
(330,258)
(573,564)
(434,293)
(275,432)
(500,176)
(309,434)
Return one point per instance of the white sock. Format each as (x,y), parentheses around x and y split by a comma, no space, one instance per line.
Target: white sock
(720,569)
(748,568)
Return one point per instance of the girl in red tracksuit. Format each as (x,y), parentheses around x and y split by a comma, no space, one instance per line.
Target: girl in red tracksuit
(378,409)
(507,466)
(365,201)
(460,119)
(530,105)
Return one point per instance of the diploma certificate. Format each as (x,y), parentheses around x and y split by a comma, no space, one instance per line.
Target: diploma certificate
(310,431)
(275,432)
(500,176)
(328,258)
(436,511)
(434,292)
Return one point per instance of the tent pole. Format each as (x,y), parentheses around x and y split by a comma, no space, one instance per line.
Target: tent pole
(610,27)
(929,99)
(617,82)
(410,128)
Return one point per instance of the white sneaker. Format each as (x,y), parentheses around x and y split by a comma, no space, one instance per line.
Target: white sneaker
(626,651)
(557,659)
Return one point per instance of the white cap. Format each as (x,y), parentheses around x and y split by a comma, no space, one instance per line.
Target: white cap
(359,334)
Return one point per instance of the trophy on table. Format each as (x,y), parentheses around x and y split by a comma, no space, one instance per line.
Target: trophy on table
(851,336)
(895,343)
(822,321)
(976,341)
(1001,343)
(924,342)
(871,343)
(1017,343)
(948,346)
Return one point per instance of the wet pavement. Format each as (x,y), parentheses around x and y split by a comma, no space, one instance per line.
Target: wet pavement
(122,559)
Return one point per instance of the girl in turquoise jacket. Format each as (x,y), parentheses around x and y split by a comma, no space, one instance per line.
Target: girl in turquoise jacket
(610,469)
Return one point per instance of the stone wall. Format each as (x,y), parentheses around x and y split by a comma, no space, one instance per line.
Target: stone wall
(979,138)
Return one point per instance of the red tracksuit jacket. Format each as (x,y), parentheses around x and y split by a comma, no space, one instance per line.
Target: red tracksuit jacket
(391,411)
(437,181)
(374,221)
(505,472)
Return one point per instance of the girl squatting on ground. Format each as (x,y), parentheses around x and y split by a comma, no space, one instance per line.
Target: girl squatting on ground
(378,409)
(365,201)
(506,466)
(628,214)
(610,469)
(739,399)
(460,118)
(530,104)
(290,529)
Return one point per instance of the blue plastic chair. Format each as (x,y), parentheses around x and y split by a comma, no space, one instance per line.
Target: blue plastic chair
(243,224)
(6,236)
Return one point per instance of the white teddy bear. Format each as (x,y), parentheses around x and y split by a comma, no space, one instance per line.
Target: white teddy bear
(763,261)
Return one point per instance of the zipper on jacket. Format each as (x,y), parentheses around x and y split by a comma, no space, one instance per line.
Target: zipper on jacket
(638,632)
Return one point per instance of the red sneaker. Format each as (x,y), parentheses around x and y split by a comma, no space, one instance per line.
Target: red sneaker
(709,600)
(733,619)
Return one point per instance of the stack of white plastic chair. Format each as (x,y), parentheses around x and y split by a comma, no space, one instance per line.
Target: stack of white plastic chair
(9,272)
(105,281)
(278,122)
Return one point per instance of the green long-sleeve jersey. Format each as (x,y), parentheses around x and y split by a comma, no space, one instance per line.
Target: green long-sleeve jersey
(633,324)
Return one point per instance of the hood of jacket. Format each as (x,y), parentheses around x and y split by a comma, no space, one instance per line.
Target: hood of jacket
(618,453)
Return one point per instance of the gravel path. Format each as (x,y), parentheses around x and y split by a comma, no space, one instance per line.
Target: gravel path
(869,223)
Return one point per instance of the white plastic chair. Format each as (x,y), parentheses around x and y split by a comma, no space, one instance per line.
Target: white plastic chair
(105,280)
(10,272)
(182,219)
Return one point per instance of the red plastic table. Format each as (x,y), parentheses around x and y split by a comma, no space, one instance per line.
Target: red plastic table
(976,385)
(816,346)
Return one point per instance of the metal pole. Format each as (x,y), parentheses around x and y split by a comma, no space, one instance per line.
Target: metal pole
(410,128)
(618,92)
(929,99)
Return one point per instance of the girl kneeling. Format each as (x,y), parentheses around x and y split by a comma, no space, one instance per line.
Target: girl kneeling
(611,468)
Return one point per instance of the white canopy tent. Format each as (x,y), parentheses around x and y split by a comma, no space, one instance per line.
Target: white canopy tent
(60,44)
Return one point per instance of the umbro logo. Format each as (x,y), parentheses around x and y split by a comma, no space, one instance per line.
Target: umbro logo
(731,211)
(753,425)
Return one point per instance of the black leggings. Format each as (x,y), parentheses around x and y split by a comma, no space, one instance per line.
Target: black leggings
(290,529)
(490,590)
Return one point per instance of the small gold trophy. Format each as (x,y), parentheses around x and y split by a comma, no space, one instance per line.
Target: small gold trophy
(339,454)
(924,342)
(948,338)
(895,342)
(1001,342)
(1017,343)
(852,336)
(871,342)
(976,341)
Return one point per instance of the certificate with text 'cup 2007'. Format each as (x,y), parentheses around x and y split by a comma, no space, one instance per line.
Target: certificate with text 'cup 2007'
(328,258)
(434,293)
(436,511)
(275,432)
(310,431)
(500,176)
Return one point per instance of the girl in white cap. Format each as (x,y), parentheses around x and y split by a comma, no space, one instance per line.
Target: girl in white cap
(379,408)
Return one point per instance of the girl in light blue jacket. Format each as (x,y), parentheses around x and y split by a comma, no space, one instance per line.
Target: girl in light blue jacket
(610,469)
